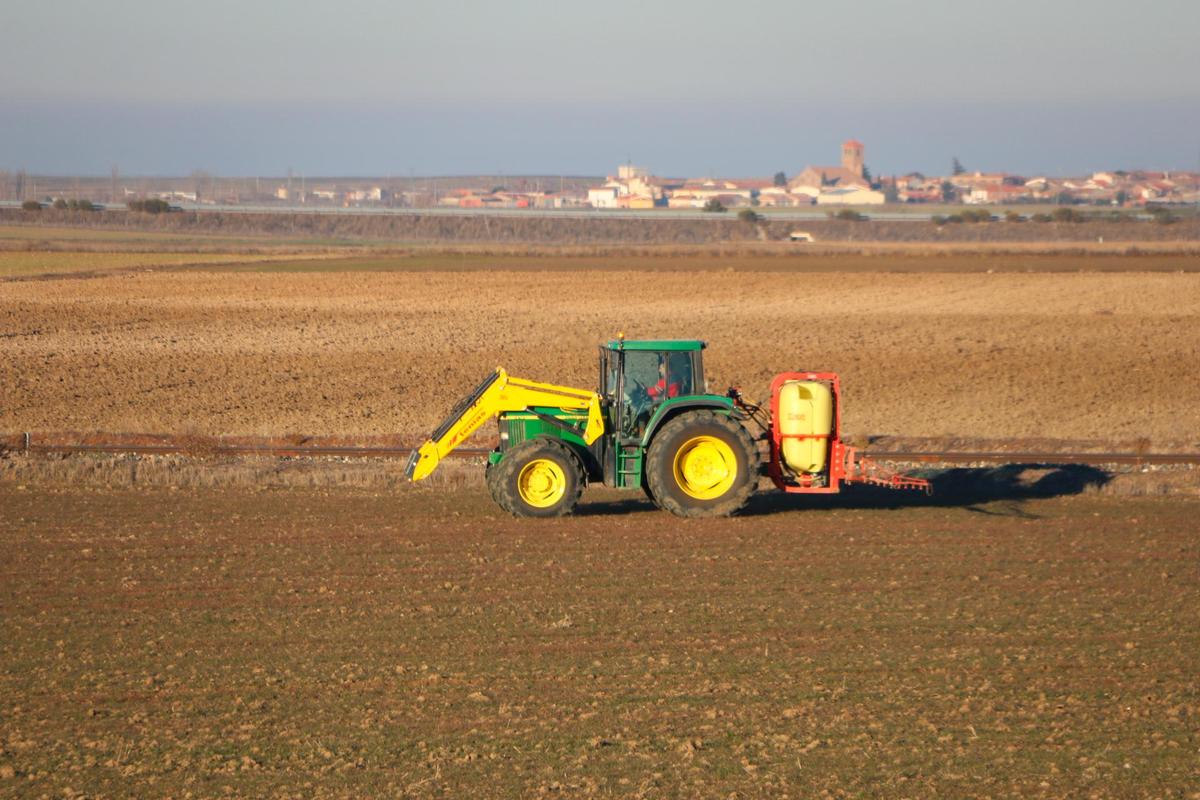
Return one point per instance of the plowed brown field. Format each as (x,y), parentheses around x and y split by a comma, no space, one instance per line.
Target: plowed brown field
(1079,355)
(1017,635)
(302,643)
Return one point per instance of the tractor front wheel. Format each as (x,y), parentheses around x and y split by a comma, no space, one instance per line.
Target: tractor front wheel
(537,478)
(702,464)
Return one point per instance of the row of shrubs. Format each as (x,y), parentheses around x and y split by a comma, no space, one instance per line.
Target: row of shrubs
(152,206)
(1160,215)
(974,215)
(62,205)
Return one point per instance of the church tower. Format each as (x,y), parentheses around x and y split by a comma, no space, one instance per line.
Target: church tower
(852,156)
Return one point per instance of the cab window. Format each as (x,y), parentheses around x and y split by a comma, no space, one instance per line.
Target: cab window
(680,378)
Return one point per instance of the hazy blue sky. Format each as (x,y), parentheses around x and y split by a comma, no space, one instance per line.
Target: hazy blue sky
(523,86)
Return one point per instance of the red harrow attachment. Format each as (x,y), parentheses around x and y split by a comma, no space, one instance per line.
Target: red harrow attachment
(863,469)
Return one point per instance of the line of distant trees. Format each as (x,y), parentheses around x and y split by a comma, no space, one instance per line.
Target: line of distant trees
(75,205)
(1162,216)
(153,205)
(61,204)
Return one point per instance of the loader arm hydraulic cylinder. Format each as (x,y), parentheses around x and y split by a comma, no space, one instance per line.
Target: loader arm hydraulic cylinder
(499,393)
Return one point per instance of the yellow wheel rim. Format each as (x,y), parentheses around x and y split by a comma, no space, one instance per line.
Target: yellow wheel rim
(541,483)
(705,467)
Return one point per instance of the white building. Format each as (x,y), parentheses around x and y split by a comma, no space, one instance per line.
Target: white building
(850,196)
(603,197)
(779,196)
(372,195)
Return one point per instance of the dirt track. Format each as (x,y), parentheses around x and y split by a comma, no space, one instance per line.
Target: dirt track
(1004,355)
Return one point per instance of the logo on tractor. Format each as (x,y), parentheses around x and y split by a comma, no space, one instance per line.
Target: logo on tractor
(467,429)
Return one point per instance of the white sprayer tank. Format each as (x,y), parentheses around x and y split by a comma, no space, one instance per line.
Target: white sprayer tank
(806,410)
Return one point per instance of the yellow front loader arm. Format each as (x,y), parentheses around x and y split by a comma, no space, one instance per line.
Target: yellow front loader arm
(499,393)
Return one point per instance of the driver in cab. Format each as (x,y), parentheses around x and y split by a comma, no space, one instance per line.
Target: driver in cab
(642,398)
(663,389)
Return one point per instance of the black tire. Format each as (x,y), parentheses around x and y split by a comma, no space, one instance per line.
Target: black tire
(505,479)
(675,439)
(648,492)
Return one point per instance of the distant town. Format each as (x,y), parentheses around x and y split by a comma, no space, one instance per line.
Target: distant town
(849,183)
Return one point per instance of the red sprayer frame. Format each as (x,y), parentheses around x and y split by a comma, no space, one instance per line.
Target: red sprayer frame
(844,464)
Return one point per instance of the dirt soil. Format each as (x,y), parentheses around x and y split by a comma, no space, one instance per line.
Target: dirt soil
(347,644)
(1071,356)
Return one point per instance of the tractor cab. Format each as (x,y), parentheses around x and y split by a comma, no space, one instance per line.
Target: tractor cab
(638,377)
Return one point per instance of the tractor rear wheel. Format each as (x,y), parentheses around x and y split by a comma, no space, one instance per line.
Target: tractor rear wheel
(646,490)
(537,478)
(702,464)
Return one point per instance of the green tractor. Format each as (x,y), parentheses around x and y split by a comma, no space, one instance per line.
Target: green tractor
(651,426)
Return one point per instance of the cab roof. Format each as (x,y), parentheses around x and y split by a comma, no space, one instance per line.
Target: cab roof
(655,344)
